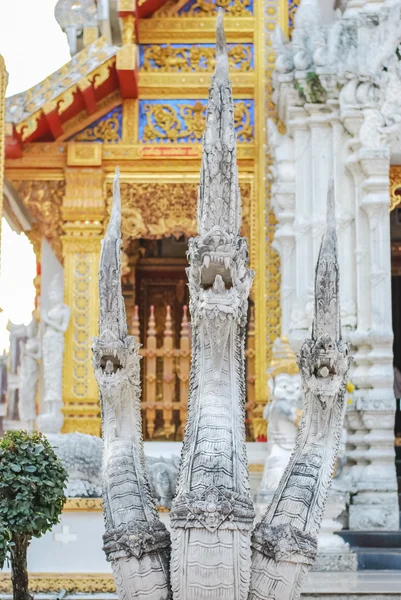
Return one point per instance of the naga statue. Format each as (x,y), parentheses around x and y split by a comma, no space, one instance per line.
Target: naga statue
(214,555)
(285,542)
(212,514)
(135,542)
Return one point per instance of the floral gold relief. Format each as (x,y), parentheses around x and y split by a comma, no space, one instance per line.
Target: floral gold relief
(44,200)
(156,210)
(193,58)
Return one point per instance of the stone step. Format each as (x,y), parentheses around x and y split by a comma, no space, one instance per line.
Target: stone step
(379,559)
(372,539)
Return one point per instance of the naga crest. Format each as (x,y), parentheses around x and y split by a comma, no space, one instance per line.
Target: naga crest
(218,255)
(114,351)
(324,359)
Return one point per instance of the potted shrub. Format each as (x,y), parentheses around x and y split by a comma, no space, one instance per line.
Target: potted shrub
(32,497)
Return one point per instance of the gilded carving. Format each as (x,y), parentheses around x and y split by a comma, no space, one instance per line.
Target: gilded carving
(130,121)
(179,121)
(89,583)
(206,8)
(193,58)
(395,186)
(83,504)
(107,130)
(81,154)
(81,248)
(156,210)
(158,30)
(44,200)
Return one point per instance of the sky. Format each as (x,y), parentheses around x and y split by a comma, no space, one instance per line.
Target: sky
(33,46)
(31,42)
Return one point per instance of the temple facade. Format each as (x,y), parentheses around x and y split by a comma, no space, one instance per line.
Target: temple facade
(134,95)
(316,89)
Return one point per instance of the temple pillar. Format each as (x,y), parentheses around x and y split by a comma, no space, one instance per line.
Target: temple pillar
(376,504)
(299,128)
(83,212)
(283,203)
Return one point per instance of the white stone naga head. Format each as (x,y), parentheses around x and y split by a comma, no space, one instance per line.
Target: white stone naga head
(115,356)
(324,360)
(219,251)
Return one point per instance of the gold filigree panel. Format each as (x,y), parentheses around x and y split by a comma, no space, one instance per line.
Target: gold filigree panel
(205,8)
(155,210)
(193,58)
(44,200)
(186,122)
(106,131)
(88,583)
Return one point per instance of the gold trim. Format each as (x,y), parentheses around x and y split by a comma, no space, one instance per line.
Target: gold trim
(83,504)
(84,154)
(395,184)
(191,85)
(198,30)
(88,583)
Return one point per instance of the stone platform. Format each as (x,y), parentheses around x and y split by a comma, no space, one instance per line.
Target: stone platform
(367,585)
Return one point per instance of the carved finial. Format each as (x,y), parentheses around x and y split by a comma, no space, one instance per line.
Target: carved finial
(184,323)
(152,322)
(327,300)
(168,331)
(112,310)
(219,202)
(135,323)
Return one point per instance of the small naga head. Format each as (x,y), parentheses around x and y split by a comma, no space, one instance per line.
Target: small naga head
(114,351)
(324,360)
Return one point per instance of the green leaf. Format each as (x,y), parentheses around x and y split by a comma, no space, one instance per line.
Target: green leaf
(31,468)
(15,467)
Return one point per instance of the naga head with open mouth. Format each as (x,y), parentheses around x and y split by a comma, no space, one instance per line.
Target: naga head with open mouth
(115,355)
(324,360)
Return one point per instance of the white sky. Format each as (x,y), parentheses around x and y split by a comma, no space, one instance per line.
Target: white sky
(31,42)
(33,47)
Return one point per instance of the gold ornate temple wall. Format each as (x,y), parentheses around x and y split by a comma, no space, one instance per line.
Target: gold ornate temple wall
(147,116)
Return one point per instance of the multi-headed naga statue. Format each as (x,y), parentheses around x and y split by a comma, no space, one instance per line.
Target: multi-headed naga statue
(212,514)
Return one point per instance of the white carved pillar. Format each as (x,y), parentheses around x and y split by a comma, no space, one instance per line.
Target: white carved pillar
(376,504)
(303,272)
(283,202)
(345,205)
(321,169)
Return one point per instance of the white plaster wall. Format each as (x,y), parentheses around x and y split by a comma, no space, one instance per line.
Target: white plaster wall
(82,553)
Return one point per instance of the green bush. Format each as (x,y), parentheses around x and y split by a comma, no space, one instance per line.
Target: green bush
(32,481)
